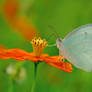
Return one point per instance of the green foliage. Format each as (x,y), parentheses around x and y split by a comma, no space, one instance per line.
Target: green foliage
(64,16)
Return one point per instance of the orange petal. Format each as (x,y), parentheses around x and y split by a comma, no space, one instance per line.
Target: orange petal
(52,58)
(53,61)
(66,67)
(17,54)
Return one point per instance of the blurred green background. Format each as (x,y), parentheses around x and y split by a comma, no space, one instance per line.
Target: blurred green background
(64,16)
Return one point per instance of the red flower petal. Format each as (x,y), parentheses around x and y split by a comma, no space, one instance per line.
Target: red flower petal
(55,62)
(22,55)
(14,54)
(66,67)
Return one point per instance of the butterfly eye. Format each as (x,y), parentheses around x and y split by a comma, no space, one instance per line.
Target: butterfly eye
(59,42)
(59,39)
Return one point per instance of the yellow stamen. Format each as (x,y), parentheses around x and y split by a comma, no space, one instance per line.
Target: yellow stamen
(38,46)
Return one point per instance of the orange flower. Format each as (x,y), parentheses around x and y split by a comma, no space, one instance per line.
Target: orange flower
(2,47)
(23,25)
(19,23)
(10,9)
(36,56)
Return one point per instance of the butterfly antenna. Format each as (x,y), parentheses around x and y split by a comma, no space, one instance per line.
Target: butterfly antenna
(52,28)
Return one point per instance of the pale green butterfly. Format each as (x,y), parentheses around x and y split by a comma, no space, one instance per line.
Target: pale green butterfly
(76,47)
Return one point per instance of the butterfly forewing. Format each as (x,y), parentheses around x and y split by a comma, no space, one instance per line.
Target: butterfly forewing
(77,47)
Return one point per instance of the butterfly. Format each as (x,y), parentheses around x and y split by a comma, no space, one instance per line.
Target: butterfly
(76,47)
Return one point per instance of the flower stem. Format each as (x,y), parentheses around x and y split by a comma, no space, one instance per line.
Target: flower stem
(11,85)
(35,73)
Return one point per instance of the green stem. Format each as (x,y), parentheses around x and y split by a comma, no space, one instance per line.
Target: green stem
(35,73)
(11,85)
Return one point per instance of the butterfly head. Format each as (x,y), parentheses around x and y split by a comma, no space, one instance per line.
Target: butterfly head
(59,43)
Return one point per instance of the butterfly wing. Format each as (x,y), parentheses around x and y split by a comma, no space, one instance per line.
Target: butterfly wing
(77,47)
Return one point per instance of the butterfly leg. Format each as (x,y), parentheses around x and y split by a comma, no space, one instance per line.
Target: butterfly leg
(63,59)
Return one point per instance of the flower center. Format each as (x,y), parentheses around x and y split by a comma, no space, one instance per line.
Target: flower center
(38,46)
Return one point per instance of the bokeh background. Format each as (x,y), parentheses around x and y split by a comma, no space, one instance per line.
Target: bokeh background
(18,19)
